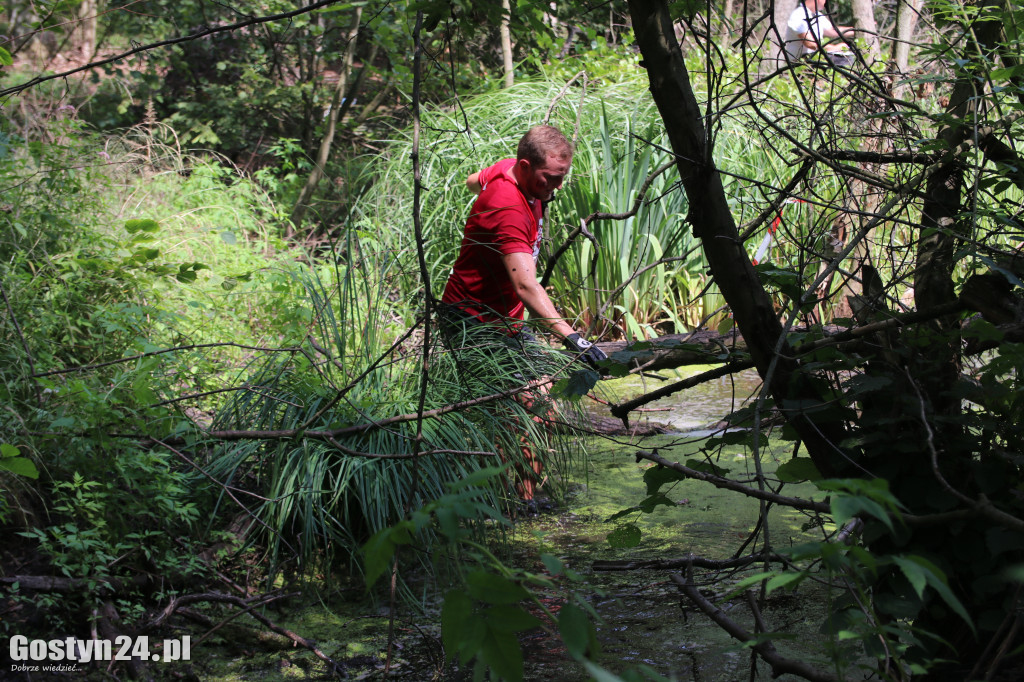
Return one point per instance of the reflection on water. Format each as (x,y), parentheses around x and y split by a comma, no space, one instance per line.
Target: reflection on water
(687,410)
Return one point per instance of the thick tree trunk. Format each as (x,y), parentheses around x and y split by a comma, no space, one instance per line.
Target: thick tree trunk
(86,43)
(777,33)
(906,22)
(945,231)
(506,43)
(713,223)
(864,22)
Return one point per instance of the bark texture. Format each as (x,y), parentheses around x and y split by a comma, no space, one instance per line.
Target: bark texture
(713,224)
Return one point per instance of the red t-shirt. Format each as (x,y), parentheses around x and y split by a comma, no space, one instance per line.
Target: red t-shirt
(502,221)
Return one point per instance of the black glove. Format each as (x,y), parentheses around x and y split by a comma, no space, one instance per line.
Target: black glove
(589,353)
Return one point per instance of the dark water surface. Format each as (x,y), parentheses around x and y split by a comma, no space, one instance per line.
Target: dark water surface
(644,619)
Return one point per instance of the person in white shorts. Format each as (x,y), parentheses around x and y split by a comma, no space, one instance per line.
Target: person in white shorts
(809,30)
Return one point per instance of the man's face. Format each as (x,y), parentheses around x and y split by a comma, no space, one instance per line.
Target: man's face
(540,182)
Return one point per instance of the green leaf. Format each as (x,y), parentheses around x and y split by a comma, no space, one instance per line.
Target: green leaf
(379,550)
(621,513)
(145,225)
(706,467)
(655,477)
(749,581)
(229,237)
(783,580)
(1007,73)
(5,57)
(625,536)
(455,615)
(915,568)
(494,589)
(737,437)
(510,618)
(1015,573)
(914,573)
(8,450)
(655,501)
(845,507)
(19,465)
(599,674)
(576,385)
(500,650)
(552,563)
(575,629)
(796,470)
(480,477)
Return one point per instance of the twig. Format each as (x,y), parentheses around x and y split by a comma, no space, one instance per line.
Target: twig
(227,489)
(779,664)
(246,605)
(236,614)
(727,484)
(252,21)
(561,93)
(982,505)
(690,560)
(585,222)
(622,410)
(341,393)
(284,434)
(196,346)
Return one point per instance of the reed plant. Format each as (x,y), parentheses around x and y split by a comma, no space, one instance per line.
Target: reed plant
(610,165)
(323,498)
(627,281)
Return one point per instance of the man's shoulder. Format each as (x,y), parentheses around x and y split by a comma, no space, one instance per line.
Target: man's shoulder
(497,172)
(500,189)
(800,15)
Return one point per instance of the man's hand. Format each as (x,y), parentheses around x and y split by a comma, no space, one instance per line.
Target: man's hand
(589,353)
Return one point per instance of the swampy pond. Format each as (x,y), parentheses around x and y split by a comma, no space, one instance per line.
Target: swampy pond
(644,618)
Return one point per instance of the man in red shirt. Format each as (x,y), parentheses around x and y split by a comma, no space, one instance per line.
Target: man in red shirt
(494,279)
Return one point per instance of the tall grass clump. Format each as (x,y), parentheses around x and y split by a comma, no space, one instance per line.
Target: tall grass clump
(324,496)
(613,124)
(639,274)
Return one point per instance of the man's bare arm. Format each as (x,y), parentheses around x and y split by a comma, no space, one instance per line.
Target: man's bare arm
(473,183)
(523,273)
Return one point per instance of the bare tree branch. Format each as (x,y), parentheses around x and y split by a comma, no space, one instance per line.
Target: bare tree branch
(253,21)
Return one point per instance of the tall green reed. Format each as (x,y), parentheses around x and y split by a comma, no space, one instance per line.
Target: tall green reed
(625,280)
(485,129)
(322,499)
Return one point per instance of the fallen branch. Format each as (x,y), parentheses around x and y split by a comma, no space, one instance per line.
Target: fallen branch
(246,605)
(766,650)
(688,561)
(725,483)
(47,583)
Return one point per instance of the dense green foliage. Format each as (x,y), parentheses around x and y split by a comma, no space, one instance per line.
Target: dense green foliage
(199,386)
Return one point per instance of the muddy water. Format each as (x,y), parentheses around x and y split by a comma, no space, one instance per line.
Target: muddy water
(644,620)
